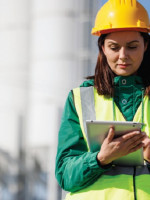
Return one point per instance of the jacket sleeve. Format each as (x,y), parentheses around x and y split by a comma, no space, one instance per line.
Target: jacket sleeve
(76,168)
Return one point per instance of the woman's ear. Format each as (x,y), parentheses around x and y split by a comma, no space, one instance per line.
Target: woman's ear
(103,48)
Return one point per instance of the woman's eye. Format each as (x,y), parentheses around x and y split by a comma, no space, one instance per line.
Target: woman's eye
(132,47)
(114,48)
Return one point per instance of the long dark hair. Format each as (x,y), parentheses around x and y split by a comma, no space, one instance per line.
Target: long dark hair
(104,76)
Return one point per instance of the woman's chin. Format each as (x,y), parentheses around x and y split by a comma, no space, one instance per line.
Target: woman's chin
(124,73)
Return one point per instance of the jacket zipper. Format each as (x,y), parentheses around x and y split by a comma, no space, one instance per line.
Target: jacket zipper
(134,185)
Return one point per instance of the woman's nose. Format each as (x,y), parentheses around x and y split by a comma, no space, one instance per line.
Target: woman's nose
(123,53)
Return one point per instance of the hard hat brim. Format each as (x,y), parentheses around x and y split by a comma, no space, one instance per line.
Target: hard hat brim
(107,31)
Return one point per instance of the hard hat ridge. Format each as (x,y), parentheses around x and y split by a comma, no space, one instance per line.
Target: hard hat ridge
(124,2)
(117,15)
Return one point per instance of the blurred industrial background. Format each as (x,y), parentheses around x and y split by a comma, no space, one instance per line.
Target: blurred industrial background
(46,49)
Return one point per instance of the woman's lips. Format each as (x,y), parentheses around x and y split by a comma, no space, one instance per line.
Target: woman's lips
(123,66)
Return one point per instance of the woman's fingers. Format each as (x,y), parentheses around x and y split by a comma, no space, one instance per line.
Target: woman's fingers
(113,148)
(146,148)
(133,141)
(135,148)
(131,134)
(136,140)
(110,135)
(133,138)
(146,141)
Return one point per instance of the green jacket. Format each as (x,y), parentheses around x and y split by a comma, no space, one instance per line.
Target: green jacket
(75,167)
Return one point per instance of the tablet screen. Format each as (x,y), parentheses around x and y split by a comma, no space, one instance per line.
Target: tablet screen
(98,130)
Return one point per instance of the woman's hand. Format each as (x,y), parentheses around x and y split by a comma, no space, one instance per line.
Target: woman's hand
(112,149)
(146,148)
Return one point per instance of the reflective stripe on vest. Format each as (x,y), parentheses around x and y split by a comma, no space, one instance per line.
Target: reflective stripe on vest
(118,182)
(87,98)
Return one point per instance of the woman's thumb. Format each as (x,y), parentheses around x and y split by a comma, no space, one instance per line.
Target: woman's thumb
(111,134)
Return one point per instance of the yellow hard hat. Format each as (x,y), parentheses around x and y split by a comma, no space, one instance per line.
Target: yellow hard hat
(118,15)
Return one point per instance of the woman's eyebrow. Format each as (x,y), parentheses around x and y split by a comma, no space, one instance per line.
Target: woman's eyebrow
(112,42)
(115,43)
(133,41)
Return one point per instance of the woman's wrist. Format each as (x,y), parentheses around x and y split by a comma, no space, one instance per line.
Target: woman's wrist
(101,162)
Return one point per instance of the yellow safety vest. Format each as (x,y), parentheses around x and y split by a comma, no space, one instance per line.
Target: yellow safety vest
(125,183)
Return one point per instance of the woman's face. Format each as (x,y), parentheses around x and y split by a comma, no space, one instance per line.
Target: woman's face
(124,52)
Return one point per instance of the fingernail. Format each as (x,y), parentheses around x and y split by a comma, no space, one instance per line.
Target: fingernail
(138,132)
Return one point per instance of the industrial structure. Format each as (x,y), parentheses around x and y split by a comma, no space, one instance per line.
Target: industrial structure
(46,49)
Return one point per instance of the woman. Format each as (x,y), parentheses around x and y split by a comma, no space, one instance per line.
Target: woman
(119,90)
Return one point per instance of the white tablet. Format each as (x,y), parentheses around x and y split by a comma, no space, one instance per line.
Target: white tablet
(98,130)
